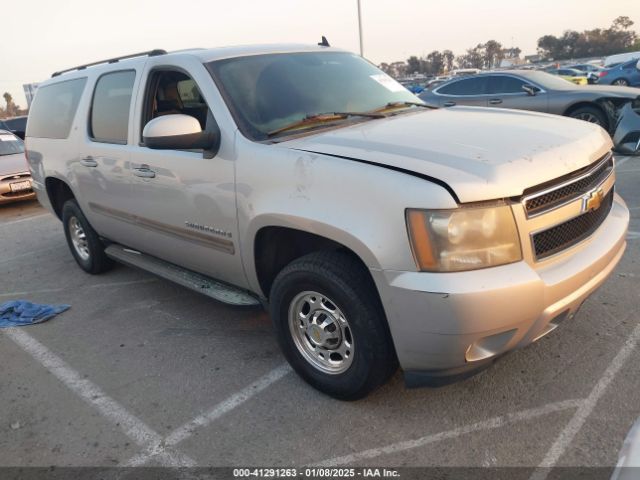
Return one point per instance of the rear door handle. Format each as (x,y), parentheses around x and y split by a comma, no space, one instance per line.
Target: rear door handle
(144,171)
(495,101)
(449,104)
(88,162)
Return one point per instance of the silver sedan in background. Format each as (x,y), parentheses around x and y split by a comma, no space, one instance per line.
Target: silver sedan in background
(538,91)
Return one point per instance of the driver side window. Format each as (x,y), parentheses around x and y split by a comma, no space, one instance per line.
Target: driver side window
(503,84)
(172,92)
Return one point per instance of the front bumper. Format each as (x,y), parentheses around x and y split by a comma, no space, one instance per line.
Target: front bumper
(448,324)
(6,193)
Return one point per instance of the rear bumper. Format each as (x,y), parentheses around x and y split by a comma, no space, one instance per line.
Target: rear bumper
(451,324)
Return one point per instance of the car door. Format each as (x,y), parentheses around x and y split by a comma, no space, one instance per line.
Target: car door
(465,91)
(507,91)
(183,200)
(102,172)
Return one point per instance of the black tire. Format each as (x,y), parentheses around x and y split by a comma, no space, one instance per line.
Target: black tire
(348,285)
(623,82)
(590,114)
(95,261)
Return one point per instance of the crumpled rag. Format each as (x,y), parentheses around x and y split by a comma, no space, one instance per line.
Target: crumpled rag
(17,313)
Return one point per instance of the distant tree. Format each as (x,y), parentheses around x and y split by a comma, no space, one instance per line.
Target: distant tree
(513,52)
(413,65)
(622,23)
(399,69)
(435,63)
(589,43)
(385,67)
(492,54)
(449,58)
(474,58)
(11,108)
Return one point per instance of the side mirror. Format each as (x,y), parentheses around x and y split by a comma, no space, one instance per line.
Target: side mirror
(530,89)
(178,132)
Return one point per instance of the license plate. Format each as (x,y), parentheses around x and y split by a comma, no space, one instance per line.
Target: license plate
(20,186)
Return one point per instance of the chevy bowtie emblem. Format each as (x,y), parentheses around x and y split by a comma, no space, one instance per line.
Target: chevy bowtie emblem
(592,200)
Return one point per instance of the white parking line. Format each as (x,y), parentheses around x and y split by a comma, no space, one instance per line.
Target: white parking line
(27,219)
(185,431)
(577,421)
(97,285)
(492,423)
(132,426)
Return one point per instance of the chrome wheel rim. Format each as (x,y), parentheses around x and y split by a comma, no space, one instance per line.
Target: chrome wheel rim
(78,238)
(588,117)
(321,332)
(620,82)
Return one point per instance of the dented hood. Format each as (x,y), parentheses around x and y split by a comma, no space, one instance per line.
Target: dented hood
(481,153)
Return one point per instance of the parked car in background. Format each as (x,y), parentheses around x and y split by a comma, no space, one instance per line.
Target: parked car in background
(15,179)
(574,76)
(534,90)
(619,58)
(592,72)
(380,232)
(16,125)
(625,74)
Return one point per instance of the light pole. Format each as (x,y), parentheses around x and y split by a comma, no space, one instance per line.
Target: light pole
(360,29)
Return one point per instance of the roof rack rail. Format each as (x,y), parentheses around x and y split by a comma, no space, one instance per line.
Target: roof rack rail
(149,53)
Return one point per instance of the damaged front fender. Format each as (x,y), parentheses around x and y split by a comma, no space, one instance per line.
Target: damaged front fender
(626,136)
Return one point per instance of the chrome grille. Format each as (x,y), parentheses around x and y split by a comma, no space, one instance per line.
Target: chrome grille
(545,198)
(560,237)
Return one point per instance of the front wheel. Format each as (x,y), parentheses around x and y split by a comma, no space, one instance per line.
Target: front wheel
(331,326)
(622,82)
(591,115)
(84,243)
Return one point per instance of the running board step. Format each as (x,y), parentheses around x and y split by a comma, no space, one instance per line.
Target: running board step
(192,280)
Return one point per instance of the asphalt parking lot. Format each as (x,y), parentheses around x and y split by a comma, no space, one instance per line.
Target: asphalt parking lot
(143,372)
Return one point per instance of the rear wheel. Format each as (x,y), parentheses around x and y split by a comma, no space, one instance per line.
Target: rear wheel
(331,326)
(621,81)
(591,115)
(84,243)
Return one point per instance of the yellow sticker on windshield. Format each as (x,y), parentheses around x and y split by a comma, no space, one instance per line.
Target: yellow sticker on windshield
(387,82)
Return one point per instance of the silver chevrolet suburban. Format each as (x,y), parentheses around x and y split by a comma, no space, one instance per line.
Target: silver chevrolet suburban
(377,231)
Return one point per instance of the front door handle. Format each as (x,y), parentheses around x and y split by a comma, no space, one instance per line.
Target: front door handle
(449,104)
(88,162)
(495,101)
(144,171)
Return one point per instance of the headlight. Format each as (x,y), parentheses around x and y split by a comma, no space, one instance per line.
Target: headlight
(466,238)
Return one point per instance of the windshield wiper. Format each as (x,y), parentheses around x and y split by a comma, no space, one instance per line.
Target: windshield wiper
(392,105)
(318,118)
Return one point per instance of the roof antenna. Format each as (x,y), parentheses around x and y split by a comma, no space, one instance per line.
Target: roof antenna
(324,42)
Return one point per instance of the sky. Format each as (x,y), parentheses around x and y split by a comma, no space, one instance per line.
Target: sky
(49,35)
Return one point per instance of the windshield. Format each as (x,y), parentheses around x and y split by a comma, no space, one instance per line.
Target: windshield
(266,93)
(10,144)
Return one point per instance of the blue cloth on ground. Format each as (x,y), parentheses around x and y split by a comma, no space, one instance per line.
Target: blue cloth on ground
(18,313)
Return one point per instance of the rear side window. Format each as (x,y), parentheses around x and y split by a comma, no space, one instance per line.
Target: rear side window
(502,84)
(54,108)
(468,86)
(109,120)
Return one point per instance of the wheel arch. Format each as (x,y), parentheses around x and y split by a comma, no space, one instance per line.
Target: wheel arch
(58,192)
(275,245)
